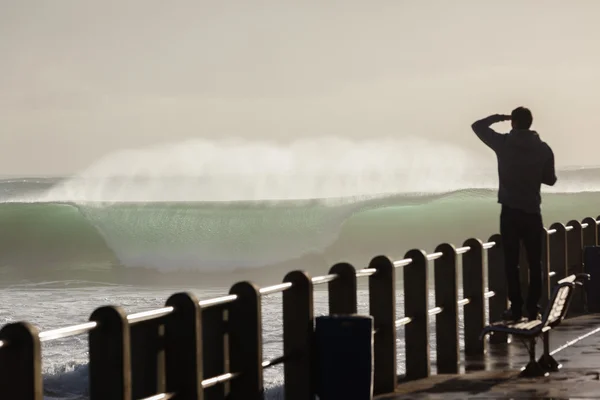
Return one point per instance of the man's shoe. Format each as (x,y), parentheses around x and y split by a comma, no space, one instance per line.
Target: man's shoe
(511,315)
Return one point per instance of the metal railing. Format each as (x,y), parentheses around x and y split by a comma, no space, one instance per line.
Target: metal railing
(208,349)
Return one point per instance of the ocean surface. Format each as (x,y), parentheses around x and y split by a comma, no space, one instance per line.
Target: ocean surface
(69,245)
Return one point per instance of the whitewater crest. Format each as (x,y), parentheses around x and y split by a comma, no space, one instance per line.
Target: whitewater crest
(238,170)
(329,170)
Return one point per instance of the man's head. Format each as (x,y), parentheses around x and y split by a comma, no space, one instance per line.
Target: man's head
(521,118)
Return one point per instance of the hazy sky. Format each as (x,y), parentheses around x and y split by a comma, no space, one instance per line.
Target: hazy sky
(81,79)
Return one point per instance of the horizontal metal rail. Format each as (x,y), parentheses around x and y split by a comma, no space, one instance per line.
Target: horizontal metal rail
(67,331)
(318,280)
(462,250)
(488,245)
(568,228)
(151,314)
(463,302)
(584,225)
(276,361)
(147,315)
(218,301)
(275,288)
(403,321)
(551,231)
(162,396)
(434,256)
(206,383)
(435,311)
(551,274)
(365,272)
(134,318)
(402,263)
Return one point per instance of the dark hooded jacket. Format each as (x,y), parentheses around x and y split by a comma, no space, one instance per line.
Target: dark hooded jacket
(525,162)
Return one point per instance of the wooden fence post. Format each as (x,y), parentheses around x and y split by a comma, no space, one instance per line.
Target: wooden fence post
(590,232)
(298,328)
(446,297)
(598,230)
(20,362)
(590,239)
(546,287)
(416,307)
(558,252)
(382,307)
(575,264)
(214,348)
(245,343)
(342,290)
(497,283)
(110,355)
(183,348)
(473,289)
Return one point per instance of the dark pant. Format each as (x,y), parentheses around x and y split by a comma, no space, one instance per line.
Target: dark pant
(517,226)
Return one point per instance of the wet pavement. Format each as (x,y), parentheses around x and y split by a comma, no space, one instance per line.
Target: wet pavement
(575,344)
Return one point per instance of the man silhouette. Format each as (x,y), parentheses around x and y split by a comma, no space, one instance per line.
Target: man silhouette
(525,162)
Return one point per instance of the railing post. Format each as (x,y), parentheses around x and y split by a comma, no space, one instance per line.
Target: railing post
(183,358)
(590,239)
(597,231)
(497,284)
(382,307)
(575,265)
(546,288)
(298,327)
(147,358)
(473,289)
(446,297)
(558,252)
(342,291)
(245,343)
(590,233)
(416,306)
(20,362)
(213,349)
(110,355)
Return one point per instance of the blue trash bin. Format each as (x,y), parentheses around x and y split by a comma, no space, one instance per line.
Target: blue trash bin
(344,357)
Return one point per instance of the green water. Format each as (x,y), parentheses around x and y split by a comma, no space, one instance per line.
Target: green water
(224,241)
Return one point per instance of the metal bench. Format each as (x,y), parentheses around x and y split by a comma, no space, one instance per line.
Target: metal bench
(528,331)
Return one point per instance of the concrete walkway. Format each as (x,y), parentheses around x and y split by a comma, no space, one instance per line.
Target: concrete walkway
(575,344)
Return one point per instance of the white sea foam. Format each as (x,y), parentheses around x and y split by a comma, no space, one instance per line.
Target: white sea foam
(201,170)
(328,167)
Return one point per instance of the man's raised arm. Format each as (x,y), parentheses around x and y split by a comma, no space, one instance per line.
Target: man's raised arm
(487,135)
